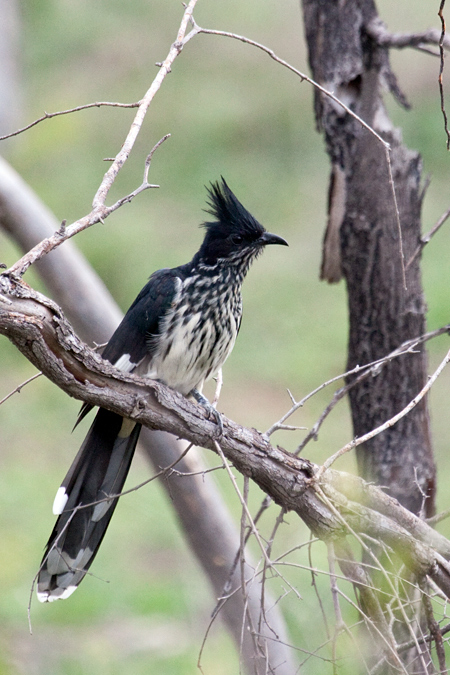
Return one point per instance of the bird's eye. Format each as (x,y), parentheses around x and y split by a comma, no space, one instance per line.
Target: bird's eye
(237,239)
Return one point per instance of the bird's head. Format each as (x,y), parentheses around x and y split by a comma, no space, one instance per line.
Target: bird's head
(234,235)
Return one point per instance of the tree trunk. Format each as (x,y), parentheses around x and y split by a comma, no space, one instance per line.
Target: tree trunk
(362,244)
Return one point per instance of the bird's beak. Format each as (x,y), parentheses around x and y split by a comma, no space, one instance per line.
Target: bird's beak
(268,238)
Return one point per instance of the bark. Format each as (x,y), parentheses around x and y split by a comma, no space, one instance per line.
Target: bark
(202,513)
(362,243)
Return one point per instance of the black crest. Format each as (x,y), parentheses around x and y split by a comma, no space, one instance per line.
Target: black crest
(234,229)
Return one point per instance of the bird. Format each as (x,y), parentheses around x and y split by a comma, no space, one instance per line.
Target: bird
(180,330)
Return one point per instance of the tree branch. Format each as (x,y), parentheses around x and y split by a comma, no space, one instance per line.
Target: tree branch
(378,31)
(49,116)
(100,211)
(38,328)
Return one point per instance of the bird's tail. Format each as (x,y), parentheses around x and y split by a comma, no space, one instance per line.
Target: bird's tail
(84,506)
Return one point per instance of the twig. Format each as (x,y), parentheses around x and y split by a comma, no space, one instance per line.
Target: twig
(207,31)
(49,116)
(349,566)
(189,474)
(314,573)
(279,520)
(242,551)
(427,237)
(434,520)
(218,389)
(389,423)
(397,217)
(18,389)
(441,71)
(227,586)
(434,629)
(365,370)
(100,211)
(339,621)
(369,606)
(149,158)
(244,505)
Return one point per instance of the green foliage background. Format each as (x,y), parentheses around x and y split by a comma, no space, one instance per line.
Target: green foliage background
(233,112)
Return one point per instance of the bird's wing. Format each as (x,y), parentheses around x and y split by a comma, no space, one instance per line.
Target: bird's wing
(130,343)
(142,321)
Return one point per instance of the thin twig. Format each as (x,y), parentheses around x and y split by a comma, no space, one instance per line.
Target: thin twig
(434,520)
(18,389)
(427,237)
(339,621)
(434,629)
(244,505)
(302,76)
(441,71)
(378,31)
(49,116)
(389,423)
(278,522)
(365,370)
(397,217)
(100,211)
(242,549)
(218,389)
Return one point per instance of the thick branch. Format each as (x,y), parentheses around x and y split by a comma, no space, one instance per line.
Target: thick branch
(38,328)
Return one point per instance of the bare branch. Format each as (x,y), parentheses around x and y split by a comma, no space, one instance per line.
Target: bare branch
(441,71)
(427,237)
(37,327)
(49,116)
(367,370)
(19,388)
(100,211)
(207,31)
(390,422)
(378,31)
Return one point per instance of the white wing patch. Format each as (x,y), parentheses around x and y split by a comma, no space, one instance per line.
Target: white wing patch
(125,364)
(60,501)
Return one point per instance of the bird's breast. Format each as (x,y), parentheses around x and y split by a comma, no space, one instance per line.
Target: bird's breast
(197,334)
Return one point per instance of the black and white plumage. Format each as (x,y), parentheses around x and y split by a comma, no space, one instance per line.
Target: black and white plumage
(180,330)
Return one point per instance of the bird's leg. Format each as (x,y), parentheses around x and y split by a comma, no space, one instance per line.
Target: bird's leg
(209,407)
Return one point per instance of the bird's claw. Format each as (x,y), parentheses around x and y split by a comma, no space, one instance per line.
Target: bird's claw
(211,411)
(218,417)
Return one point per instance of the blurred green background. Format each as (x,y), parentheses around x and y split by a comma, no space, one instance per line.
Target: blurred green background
(231,111)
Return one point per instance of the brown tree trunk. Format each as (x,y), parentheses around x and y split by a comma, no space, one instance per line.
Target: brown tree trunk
(362,244)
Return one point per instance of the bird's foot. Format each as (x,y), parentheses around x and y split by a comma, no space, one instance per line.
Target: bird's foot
(210,409)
